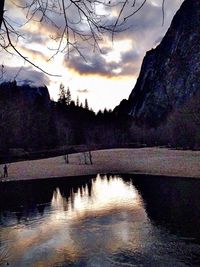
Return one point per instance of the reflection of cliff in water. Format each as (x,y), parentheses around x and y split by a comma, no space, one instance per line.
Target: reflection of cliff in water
(27,198)
(172,202)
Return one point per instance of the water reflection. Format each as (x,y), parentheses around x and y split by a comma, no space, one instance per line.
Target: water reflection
(81,221)
(102,221)
(173,203)
(103,196)
(29,199)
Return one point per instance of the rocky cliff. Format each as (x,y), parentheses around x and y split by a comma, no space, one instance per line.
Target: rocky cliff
(10,91)
(25,116)
(170,73)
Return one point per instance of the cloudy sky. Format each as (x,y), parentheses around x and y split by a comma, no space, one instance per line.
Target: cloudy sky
(105,77)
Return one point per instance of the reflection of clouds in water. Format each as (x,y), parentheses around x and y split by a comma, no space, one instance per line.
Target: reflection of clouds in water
(84,229)
(100,222)
(105,219)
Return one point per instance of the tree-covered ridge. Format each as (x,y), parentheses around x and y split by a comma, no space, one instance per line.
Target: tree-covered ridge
(30,120)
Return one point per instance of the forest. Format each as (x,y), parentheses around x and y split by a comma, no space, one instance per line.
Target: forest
(31,122)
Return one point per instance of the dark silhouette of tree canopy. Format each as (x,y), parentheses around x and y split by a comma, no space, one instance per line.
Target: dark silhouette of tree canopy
(77,101)
(86,104)
(64,96)
(68,97)
(81,21)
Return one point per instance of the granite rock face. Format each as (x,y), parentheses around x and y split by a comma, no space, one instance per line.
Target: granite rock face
(170,73)
(10,91)
(25,117)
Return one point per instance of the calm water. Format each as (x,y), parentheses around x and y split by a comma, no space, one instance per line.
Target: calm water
(103,221)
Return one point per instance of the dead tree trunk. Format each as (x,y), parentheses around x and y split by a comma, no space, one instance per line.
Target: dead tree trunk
(66,158)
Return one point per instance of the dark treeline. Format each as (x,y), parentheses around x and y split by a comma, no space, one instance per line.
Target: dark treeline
(180,129)
(30,121)
(77,124)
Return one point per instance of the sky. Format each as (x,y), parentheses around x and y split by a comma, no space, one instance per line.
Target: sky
(103,77)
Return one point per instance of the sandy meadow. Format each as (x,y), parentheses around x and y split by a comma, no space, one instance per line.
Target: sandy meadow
(154,161)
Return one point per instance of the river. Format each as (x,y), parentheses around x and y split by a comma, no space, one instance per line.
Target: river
(102,221)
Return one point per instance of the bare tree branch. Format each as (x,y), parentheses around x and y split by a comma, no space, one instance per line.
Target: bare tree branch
(20,54)
(70,23)
(163,12)
(136,11)
(117,20)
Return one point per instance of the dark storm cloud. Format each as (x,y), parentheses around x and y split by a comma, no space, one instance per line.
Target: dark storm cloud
(98,65)
(130,61)
(25,75)
(129,57)
(144,29)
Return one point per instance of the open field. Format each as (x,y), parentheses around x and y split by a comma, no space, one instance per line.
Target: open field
(155,161)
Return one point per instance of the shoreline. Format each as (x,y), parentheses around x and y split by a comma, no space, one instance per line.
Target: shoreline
(91,176)
(146,161)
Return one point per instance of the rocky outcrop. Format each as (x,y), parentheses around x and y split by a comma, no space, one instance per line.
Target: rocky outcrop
(25,117)
(170,73)
(10,91)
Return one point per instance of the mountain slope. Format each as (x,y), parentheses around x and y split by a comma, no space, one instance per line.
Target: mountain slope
(170,73)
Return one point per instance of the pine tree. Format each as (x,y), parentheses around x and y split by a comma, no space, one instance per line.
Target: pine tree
(68,97)
(86,104)
(105,111)
(77,101)
(62,94)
